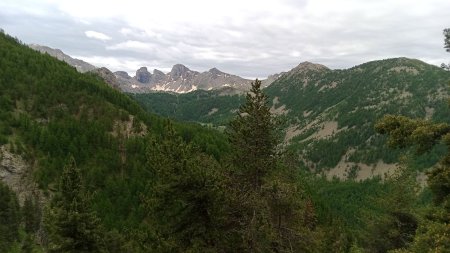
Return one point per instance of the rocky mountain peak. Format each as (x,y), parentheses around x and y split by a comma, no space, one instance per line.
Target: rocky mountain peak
(308,66)
(178,70)
(215,71)
(142,75)
(158,76)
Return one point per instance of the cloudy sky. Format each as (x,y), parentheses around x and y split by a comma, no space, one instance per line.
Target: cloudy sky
(247,38)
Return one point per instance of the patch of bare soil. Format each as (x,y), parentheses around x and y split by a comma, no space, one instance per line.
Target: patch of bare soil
(429,111)
(364,171)
(281,110)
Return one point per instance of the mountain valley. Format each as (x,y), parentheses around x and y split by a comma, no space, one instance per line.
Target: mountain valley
(309,160)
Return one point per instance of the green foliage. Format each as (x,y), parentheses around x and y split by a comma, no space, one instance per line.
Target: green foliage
(9,217)
(198,106)
(186,201)
(354,98)
(361,95)
(252,138)
(394,226)
(31,214)
(72,226)
(447,39)
(432,235)
(48,110)
(175,187)
(270,212)
(404,132)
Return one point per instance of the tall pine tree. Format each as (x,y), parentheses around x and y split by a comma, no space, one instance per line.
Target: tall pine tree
(9,218)
(186,199)
(267,202)
(72,226)
(253,139)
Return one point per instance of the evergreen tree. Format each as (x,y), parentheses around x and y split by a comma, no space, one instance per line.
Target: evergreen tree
(395,225)
(268,211)
(447,39)
(446,46)
(71,225)
(253,140)
(186,202)
(9,218)
(432,234)
(31,214)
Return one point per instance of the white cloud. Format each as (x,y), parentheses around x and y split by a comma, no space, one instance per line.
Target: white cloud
(132,45)
(97,35)
(252,38)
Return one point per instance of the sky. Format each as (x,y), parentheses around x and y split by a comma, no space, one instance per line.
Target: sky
(246,38)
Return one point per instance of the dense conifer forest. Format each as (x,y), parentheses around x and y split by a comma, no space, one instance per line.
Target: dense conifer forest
(104,175)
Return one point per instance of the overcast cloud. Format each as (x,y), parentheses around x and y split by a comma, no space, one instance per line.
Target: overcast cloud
(247,38)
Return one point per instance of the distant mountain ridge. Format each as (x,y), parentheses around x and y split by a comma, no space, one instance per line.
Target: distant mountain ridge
(80,65)
(180,79)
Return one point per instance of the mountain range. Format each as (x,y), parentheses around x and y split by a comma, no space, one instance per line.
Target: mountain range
(180,79)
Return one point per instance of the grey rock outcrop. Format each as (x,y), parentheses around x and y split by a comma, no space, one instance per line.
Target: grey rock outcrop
(17,174)
(107,76)
(143,76)
(158,76)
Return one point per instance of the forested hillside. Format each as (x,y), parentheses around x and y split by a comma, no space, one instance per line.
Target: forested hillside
(85,169)
(209,107)
(50,113)
(329,115)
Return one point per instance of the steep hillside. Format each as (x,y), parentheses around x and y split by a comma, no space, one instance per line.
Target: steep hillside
(328,115)
(49,112)
(333,112)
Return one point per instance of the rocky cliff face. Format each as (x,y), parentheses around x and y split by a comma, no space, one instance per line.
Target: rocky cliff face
(107,76)
(17,174)
(143,76)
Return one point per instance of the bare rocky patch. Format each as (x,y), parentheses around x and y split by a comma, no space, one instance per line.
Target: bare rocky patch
(364,171)
(17,174)
(291,132)
(213,110)
(429,111)
(280,110)
(129,128)
(332,85)
(404,68)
